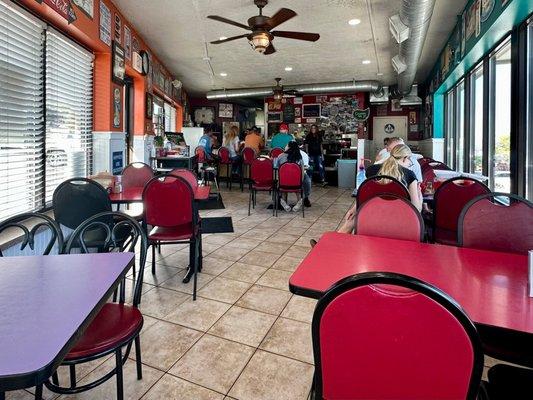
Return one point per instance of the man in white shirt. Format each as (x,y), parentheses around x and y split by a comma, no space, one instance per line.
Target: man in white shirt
(415,165)
(384,152)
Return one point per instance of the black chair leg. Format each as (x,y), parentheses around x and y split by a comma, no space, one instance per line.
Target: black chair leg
(138,357)
(39,392)
(72,373)
(153,258)
(200,254)
(55,378)
(249,202)
(120,381)
(195,278)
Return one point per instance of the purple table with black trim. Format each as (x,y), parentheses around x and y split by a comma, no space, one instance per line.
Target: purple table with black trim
(46,303)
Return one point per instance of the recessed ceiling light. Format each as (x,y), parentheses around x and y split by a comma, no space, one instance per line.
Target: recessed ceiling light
(222,38)
(223,74)
(379,74)
(355,21)
(288,68)
(366,62)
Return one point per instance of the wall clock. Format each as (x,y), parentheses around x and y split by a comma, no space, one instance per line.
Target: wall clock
(225,110)
(145,58)
(204,115)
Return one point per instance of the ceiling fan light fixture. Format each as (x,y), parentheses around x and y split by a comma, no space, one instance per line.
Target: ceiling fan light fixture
(278,95)
(260,41)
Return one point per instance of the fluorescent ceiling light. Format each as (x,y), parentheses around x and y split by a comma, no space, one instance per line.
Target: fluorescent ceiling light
(222,38)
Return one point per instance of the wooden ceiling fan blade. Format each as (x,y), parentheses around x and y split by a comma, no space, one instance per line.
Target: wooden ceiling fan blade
(283,15)
(229,39)
(270,49)
(310,37)
(229,21)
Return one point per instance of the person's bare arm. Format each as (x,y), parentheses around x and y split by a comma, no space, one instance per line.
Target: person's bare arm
(414,194)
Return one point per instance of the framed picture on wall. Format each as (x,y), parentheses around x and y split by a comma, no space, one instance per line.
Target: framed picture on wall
(275,116)
(311,110)
(225,110)
(87,6)
(119,64)
(149,105)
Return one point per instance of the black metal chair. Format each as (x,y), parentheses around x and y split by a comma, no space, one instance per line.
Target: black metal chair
(118,324)
(27,226)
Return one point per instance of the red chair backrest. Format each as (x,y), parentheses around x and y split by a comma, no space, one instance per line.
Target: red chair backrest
(262,171)
(450,199)
(223,154)
(290,175)
(390,217)
(276,152)
(248,155)
(486,223)
(200,154)
(186,174)
(424,161)
(168,201)
(390,336)
(136,175)
(378,186)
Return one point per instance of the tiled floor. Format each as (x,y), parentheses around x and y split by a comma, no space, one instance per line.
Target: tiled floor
(246,337)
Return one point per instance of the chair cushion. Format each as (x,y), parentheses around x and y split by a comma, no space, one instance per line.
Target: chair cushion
(170,233)
(114,324)
(262,186)
(445,236)
(202,192)
(287,190)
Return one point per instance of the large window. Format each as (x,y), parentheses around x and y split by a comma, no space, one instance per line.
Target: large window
(450,128)
(45,111)
(500,129)
(476,121)
(460,126)
(529,129)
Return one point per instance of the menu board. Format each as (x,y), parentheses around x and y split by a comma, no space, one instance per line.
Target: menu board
(311,110)
(289,114)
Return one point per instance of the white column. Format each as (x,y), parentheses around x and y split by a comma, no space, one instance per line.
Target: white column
(143,148)
(433,147)
(109,151)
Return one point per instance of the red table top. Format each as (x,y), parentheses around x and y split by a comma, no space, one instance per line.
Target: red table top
(46,302)
(135,195)
(490,286)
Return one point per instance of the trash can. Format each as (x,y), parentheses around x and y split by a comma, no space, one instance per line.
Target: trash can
(346,170)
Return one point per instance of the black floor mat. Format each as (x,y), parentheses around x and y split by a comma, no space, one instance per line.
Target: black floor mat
(217,225)
(214,202)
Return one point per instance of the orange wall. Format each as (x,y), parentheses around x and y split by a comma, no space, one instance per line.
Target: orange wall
(87,32)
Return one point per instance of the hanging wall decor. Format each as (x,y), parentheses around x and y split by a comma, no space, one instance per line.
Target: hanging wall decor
(149,105)
(119,64)
(117,105)
(87,6)
(105,23)
(62,7)
(118,28)
(127,42)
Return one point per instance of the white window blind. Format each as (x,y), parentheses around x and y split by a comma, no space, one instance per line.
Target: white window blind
(69,114)
(21,111)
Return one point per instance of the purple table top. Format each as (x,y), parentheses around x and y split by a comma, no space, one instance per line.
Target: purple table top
(45,304)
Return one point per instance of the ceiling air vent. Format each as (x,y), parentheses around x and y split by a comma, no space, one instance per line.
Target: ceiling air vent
(381,97)
(398,65)
(399,31)
(412,98)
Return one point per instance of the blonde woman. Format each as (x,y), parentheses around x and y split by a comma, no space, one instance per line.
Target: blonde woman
(397,166)
(231,142)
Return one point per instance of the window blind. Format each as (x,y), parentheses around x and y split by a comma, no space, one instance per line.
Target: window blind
(69,113)
(21,111)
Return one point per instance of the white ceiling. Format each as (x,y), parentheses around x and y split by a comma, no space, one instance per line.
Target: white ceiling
(177,31)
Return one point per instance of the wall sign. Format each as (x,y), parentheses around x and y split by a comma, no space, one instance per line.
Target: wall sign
(119,64)
(117,105)
(311,110)
(149,105)
(62,7)
(137,62)
(105,24)
(118,29)
(361,115)
(117,159)
(87,6)
(389,129)
(289,113)
(127,42)
(225,110)
(275,116)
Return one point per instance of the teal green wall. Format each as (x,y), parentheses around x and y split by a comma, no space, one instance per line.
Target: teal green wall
(498,25)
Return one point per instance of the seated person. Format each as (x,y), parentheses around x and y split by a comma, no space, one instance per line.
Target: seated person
(206,141)
(384,152)
(393,142)
(254,140)
(231,142)
(397,166)
(295,155)
(282,138)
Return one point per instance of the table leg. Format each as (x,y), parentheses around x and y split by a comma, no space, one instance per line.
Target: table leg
(2,396)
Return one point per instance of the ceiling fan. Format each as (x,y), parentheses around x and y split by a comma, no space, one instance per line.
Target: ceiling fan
(279,93)
(262,29)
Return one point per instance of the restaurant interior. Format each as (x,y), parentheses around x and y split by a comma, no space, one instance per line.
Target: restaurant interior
(266,199)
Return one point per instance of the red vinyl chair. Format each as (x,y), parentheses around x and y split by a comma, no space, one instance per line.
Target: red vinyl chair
(205,167)
(380,185)
(276,152)
(487,223)
(290,179)
(136,174)
(449,200)
(224,159)
(117,325)
(248,155)
(373,218)
(171,210)
(380,335)
(425,160)
(262,180)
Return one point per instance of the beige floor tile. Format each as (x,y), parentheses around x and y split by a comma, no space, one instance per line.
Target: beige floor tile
(244,272)
(200,314)
(243,325)
(164,343)
(215,266)
(275,278)
(133,389)
(162,273)
(259,258)
(297,251)
(282,237)
(176,282)
(265,299)
(290,339)
(19,395)
(159,302)
(171,388)
(304,241)
(258,234)
(226,290)
(300,308)
(231,253)
(217,239)
(180,259)
(269,376)
(273,247)
(287,263)
(246,243)
(294,230)
(213,362)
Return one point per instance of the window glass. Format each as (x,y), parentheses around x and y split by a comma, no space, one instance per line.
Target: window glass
(460,126)
(450,129)
(529,136)
(476,117)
